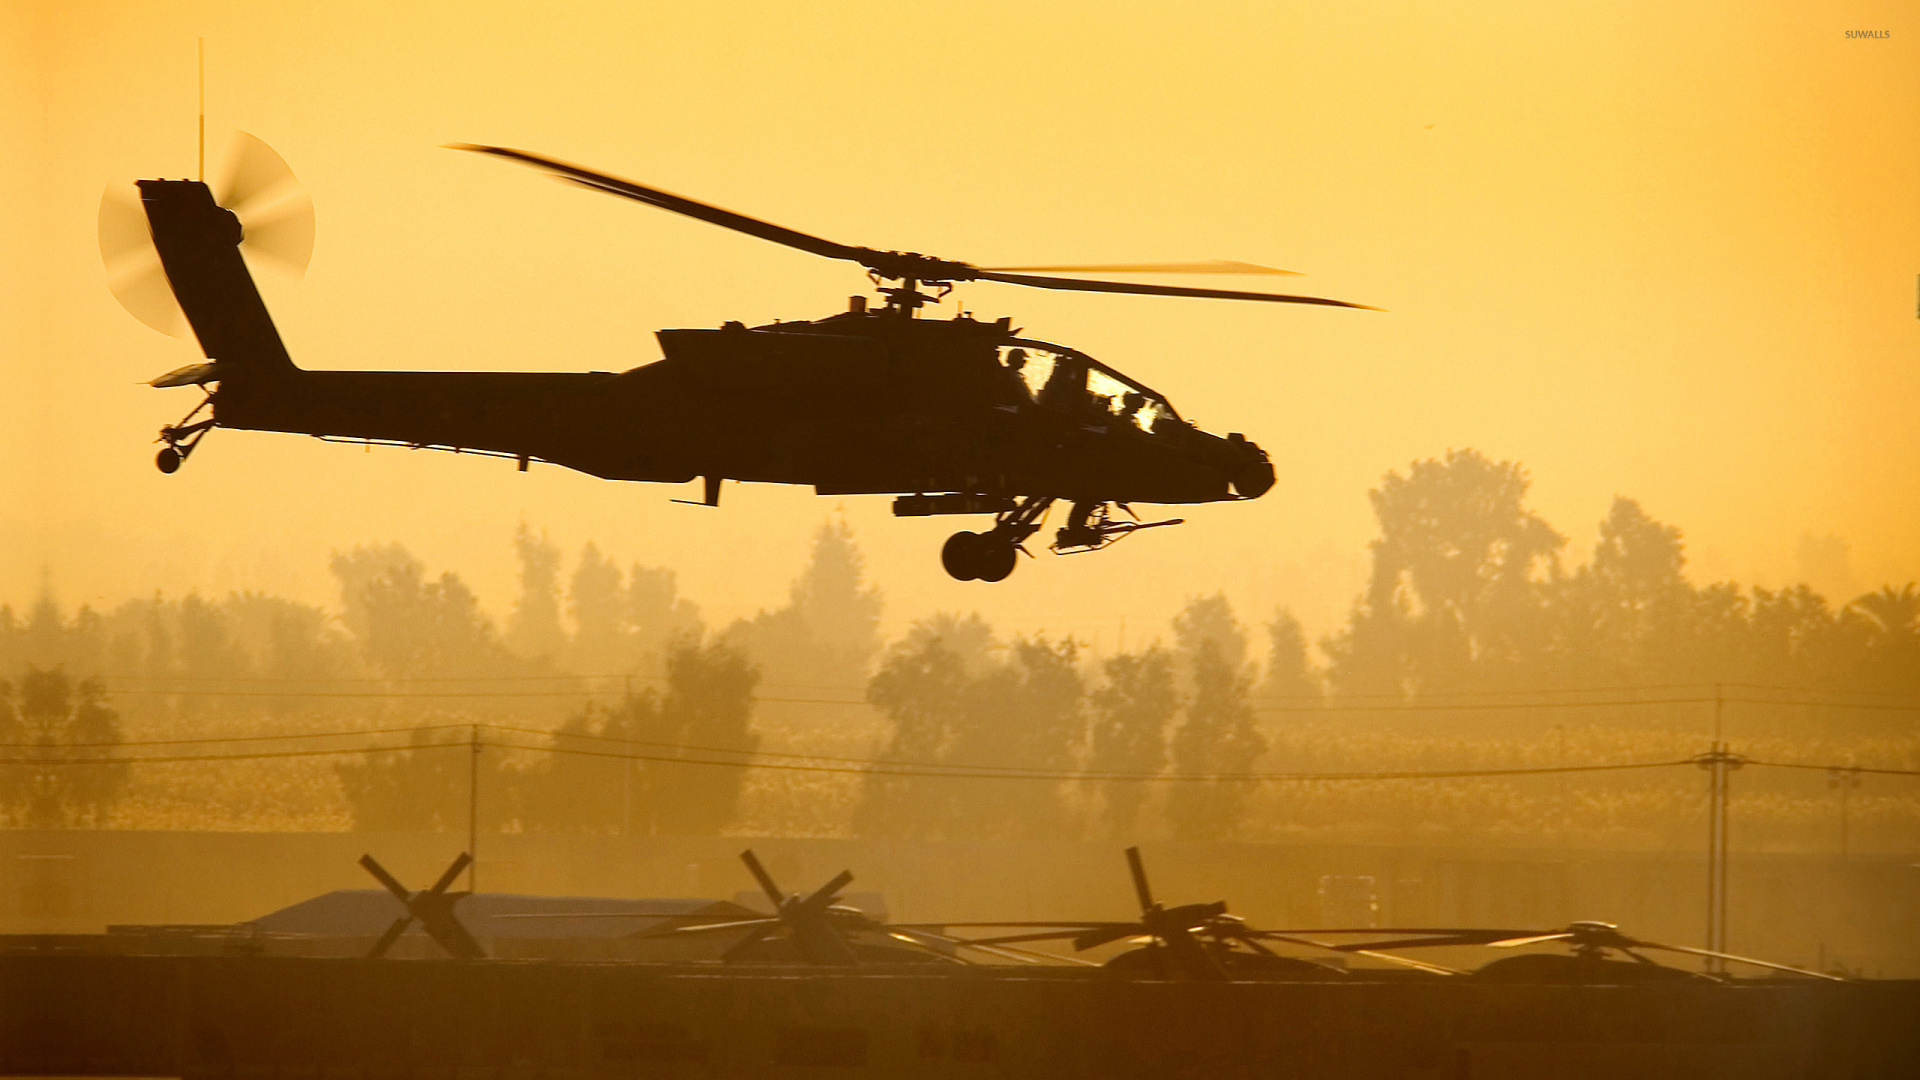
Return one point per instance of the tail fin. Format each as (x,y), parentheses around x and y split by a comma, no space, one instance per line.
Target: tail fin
(199,245)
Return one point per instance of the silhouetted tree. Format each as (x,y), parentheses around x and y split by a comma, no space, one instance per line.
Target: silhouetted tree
(1455,593)
(829,630)
(1290,677)
(1131,713)
(50,718)
(534,631)
(923,689)
(1218,733)
(602,643)
(1027,713)
(658,615)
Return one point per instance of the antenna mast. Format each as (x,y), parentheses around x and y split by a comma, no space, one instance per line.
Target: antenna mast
(203,110)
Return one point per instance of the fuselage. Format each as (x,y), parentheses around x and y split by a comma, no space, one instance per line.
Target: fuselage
(858,403)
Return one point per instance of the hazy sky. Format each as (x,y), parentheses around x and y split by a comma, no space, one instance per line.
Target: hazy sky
(1666,250)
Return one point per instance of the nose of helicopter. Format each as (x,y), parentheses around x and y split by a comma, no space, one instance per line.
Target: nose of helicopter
(1249,470)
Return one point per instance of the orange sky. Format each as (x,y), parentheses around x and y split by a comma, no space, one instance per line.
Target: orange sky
(1667,250)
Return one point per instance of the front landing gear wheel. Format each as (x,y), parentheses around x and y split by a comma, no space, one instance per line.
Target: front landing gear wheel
(994,559)
(962,555)
(167,460)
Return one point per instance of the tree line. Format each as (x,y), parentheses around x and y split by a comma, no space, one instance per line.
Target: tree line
(1469,593)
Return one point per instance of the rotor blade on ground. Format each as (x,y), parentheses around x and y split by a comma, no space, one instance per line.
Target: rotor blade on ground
(1081,285)
(667,200)
(254,171)
(1206,266)
(387,939)
(283,233)
(380,874)
(453,871)
(1740,959)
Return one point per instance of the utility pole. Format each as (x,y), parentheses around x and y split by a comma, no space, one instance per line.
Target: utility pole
(1719,763)
(1846,780)
(473,813)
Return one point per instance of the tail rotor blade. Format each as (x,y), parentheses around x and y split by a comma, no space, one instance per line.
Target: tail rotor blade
(147,295)
(134,276)
(256,175)
(282,233)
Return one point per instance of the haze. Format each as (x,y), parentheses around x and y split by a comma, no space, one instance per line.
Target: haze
(1663,251)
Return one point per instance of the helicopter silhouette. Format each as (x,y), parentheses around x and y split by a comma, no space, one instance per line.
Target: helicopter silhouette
(960,416)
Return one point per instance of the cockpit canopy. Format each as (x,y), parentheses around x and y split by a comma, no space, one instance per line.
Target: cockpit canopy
(1060,378)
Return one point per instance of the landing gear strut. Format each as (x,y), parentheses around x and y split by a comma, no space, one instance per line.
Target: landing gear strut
(992,555)
(181,438)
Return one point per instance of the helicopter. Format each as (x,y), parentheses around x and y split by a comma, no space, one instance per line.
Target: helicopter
(959,416)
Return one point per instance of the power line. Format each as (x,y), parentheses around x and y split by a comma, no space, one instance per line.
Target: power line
(1832,768)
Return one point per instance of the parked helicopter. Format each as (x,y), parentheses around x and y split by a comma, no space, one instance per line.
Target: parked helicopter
(957,416)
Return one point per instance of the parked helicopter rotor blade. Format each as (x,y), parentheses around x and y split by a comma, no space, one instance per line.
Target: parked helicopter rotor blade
(1093,939)
(1138,870)
(1045,935)
(452,871)
(1205,266)
(1084,285)
(710,928)
(740,948)
(1512,943)
(1739,959)
(380,874)
(765,879)
(667,200)
(1420,965)
(393,932)
(825,894)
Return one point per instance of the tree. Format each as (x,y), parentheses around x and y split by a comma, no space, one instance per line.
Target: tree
(1218,733)
(922,689)
(1455,593)
(1131,712)
(52,717)
(829,631)
(1026,713)
(534,630)
(596,599)
(1290,677)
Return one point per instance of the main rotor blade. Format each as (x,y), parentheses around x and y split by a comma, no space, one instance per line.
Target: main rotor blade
(380,874)
(1093,939)
(1041,935)
(1739,959)
(740,948)
(710,928)
(667,200)
(1206,266)
(1139,871)
(765,879)
(1082,285)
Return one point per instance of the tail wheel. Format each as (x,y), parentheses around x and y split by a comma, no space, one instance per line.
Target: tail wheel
(961,555)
